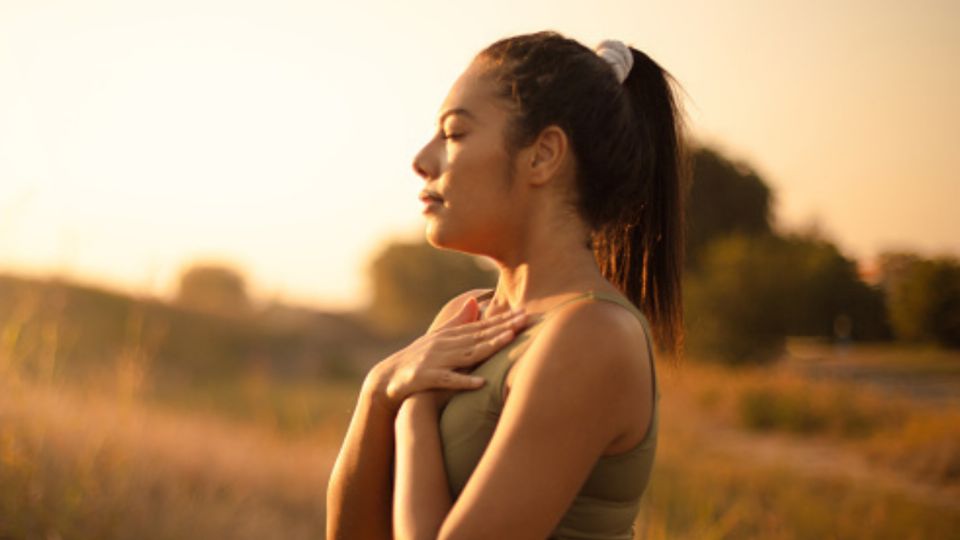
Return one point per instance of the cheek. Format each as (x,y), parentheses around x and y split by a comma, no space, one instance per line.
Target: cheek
(480,212)
(484,163)
(479,217)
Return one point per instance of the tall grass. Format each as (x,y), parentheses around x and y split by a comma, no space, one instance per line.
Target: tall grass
(74,465)
(926,447)
(124,453)
(697,499)
(704,488)
(80,466)
(801,408)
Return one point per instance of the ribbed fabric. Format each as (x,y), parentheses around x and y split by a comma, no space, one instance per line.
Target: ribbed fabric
(607,504)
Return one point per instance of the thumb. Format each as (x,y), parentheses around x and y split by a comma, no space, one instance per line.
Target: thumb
(468,312)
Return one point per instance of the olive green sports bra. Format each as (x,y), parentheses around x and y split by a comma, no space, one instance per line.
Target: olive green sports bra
(607,504)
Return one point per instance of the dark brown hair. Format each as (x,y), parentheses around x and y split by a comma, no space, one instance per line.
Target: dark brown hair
(631,165)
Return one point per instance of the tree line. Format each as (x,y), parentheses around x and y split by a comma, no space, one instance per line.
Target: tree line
(747,285)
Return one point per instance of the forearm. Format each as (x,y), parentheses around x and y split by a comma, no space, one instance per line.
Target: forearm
(421,493)
(360,485)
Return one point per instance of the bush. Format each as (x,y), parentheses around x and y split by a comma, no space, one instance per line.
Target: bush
(412,281)
(752,291)
(923,297)
(763,410)
(801,410)
(733,304)
(213,288)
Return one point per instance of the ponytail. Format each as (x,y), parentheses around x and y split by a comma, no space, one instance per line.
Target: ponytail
(641,249)
(631,165)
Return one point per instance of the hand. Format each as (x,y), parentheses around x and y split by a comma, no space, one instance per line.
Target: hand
(433,360)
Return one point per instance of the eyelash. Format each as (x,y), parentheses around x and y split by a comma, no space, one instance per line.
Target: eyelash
(452,136)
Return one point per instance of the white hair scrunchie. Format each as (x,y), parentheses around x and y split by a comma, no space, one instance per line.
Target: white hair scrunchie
(618,55)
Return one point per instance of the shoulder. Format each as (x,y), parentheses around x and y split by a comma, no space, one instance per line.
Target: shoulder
(600,335)
(591,352)
(452,306)
(593,344)
(609,325)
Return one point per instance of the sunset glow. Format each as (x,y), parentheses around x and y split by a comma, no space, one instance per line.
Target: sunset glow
(138,137)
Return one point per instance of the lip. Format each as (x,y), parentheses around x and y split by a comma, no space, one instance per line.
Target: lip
(431,205)
(430,195)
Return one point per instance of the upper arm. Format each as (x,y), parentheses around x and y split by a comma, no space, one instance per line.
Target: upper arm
(451,307)
(565,407)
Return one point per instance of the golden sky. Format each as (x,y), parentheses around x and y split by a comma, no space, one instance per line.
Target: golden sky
(277,135)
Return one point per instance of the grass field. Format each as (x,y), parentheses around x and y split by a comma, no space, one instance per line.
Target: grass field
(81,465)
(745,454)
(123,419)
(775,453)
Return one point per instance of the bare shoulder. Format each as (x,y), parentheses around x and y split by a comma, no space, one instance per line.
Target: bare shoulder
(603,335)
(596,351)
(452,306)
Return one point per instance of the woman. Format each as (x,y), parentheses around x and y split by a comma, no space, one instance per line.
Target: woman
(530,411)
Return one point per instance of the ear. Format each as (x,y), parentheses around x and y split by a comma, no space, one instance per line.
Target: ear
(546,155)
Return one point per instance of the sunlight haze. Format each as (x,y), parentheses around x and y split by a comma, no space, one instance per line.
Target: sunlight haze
(138,137)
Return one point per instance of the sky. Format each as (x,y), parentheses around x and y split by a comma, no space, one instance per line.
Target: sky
(277,136)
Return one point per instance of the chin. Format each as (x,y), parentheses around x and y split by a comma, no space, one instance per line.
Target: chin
(442,237)
(437,237)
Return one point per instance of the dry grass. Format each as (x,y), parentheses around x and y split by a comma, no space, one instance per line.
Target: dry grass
(926,447)
(911,437)
(82,466)
(102,463)
(825,466)
(768,399)
(697,498)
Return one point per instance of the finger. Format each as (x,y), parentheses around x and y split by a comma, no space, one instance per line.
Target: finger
(483,349)
(468,312)
(471,353)
(455,381)
(475,326)
(462,339)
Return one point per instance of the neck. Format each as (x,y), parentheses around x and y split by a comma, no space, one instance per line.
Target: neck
(546,263)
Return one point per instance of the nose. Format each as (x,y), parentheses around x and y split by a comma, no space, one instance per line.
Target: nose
(417,168)
(423,165)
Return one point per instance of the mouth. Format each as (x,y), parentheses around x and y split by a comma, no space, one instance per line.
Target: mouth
(430,197)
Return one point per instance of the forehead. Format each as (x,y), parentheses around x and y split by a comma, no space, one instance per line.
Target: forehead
(475,93)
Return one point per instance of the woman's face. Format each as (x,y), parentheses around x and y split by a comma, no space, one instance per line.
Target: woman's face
(467,166)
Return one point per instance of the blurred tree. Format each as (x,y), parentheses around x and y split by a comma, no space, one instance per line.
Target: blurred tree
(826,297)
(734,304)
(412,281)
(725,197)
(753,290)
(214,288)
(923,297)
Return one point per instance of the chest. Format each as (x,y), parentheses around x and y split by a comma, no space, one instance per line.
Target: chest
(470,417)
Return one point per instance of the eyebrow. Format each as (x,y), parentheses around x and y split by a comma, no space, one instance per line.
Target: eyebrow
(458,110)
